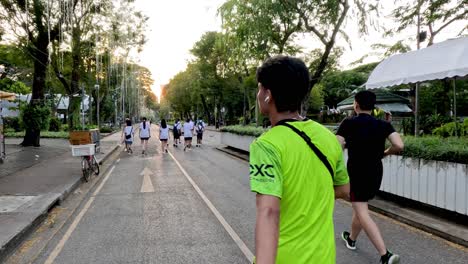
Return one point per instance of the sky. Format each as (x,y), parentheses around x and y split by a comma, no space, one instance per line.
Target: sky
(175,25)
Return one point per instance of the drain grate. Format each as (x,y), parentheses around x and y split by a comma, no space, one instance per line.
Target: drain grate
(11,202)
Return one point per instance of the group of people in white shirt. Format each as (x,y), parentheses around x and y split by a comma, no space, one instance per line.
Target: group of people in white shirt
(187,130)
(144,129)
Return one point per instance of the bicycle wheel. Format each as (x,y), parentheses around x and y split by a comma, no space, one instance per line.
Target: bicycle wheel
(85,168)
(95,166)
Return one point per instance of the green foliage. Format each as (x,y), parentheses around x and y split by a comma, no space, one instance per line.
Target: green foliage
(35,116)
(316,99)
(55,124)
(17,87)
(13,123)
(435,148)
(64,127)
(435,16)
(452,129)
(244,130)
(106,130)
(427,123)
(338,85)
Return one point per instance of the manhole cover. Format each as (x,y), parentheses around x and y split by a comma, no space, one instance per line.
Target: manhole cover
(11,203)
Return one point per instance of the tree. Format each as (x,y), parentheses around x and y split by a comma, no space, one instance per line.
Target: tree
(35,26)
(270,28)
(435,16)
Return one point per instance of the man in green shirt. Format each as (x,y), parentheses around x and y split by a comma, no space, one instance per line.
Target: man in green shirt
(297,171)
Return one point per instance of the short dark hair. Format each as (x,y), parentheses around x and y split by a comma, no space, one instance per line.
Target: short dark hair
(288,80)
(129,122)
(366,100)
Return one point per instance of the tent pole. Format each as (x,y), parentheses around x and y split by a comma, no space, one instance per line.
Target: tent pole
(416,95)
(455,106)
(416,110)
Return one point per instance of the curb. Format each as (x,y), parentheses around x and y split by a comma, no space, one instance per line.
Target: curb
(16,240)
(419,225)
(379,209)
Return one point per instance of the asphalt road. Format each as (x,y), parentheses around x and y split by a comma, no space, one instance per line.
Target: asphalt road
(147,210)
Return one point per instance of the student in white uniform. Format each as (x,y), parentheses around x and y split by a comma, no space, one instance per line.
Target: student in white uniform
(145,134)
(127,136)
(188,134)
(164,135)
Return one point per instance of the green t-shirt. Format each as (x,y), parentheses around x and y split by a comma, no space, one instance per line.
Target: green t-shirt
(283,165)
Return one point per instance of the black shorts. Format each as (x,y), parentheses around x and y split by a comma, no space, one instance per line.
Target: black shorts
(188,138)
(365,179)
(176,135)
(145,138)
(200,136)
(163,140)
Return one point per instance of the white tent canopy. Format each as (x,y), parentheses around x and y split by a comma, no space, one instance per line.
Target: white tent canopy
(447,59)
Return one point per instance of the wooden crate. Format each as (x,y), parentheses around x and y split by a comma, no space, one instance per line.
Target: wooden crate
(80,137)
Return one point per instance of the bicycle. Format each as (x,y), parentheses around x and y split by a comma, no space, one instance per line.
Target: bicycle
(89,164)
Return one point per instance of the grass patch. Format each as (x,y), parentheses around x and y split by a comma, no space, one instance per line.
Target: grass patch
(44,134)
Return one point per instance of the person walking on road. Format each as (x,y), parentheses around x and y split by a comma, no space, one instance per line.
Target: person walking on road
(176,132)
(164,136)
(200,128)
(297,171)
(127,136)
(145,134)
(364,136)
(188,134)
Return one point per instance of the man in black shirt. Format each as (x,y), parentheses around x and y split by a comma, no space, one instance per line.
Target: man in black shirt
(365,136)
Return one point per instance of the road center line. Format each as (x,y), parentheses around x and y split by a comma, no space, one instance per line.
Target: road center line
(248,254)
(75,223)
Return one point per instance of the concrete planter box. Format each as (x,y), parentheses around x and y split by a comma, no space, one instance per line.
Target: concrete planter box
(237,141)
(437,183)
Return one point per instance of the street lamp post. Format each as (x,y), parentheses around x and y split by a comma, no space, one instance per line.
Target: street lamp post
(82,108)
(96,86)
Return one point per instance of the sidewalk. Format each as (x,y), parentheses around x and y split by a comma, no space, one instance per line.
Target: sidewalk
(33,180)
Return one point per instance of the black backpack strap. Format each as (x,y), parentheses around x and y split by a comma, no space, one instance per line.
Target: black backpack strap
(314,148)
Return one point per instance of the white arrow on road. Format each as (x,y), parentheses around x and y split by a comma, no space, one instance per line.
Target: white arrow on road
(147,185)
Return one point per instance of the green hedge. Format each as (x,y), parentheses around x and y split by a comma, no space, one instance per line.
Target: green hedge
(450,149)
(44,134)
(244,130)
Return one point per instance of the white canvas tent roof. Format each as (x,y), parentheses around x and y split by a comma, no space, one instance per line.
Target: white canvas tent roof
(447,59)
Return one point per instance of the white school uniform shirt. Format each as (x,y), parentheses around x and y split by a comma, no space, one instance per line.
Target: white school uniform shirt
(145,132)
(128,130)
(188,130)
(164,133)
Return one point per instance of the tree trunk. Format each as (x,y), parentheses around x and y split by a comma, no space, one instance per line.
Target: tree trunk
(75,102)
(41,59)
(205,107)
(74,112)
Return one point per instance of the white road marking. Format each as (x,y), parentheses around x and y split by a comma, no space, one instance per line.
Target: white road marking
(75,223)
(248,254)
(147,185)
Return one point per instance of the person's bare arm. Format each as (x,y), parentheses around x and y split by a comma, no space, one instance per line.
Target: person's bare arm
(267,229)
(341,140)
(342,191)
(397,144)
